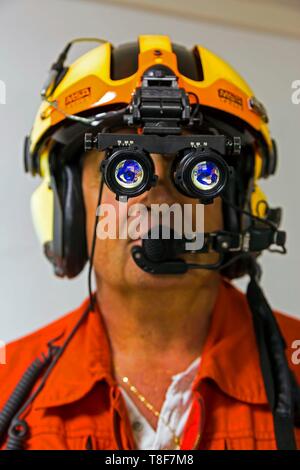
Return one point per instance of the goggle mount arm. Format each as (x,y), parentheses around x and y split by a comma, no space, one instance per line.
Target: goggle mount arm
(159,105)
(160,144)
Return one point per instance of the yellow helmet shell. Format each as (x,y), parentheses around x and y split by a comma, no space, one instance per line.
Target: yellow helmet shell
(87,85)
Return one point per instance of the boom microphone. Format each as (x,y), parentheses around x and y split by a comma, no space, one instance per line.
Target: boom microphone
(159,255)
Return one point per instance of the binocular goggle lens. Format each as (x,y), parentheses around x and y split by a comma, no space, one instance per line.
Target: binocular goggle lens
(198,174)
(129,173)
(201,174)
(205,175)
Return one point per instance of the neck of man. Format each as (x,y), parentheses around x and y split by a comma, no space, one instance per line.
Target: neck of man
(164,329)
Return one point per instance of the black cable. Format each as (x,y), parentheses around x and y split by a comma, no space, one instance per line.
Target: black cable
(197,107)
(267,222)
(245,212)
(22,390)
(277,376)
(218,265)
(16,436)
(92,303)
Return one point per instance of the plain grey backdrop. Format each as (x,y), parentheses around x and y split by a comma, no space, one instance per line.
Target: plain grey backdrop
(32,33)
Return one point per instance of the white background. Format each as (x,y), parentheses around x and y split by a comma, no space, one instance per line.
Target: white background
(32,33)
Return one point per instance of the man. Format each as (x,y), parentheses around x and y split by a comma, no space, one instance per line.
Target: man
(149,361)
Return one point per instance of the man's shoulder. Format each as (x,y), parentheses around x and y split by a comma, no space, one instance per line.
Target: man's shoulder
(20,353)
(289,325)
(46,332)
(290,328)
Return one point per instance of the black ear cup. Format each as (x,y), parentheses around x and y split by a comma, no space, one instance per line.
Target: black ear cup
(75,247)
(69,250)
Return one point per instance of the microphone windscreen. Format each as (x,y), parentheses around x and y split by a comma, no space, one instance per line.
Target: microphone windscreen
(162,249)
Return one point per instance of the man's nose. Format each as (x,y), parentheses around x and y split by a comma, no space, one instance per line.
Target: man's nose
(164,191)
(162,164)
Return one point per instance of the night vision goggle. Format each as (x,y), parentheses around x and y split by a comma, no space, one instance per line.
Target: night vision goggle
(200,167)
(160,109)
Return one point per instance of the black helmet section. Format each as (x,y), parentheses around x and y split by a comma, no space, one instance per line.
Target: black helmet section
(124,61)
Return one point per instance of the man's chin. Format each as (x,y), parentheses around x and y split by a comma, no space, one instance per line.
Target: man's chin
(137,278)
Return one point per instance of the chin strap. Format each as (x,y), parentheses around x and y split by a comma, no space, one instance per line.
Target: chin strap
(282,390)
(252,240)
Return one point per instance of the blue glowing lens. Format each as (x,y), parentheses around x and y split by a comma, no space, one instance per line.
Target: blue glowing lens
(205,175)
(129,173)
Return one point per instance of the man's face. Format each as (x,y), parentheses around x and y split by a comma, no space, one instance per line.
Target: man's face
(113,262)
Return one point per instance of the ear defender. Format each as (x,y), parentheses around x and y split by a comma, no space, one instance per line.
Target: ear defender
(58,215)
(42,204)
(72,252)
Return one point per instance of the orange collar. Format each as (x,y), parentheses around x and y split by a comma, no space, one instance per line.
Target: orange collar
(229,357)
(86,360)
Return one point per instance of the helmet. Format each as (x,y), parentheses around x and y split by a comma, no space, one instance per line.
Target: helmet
(99,84)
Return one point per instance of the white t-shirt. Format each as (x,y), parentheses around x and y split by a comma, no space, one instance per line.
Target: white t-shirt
(175,411)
